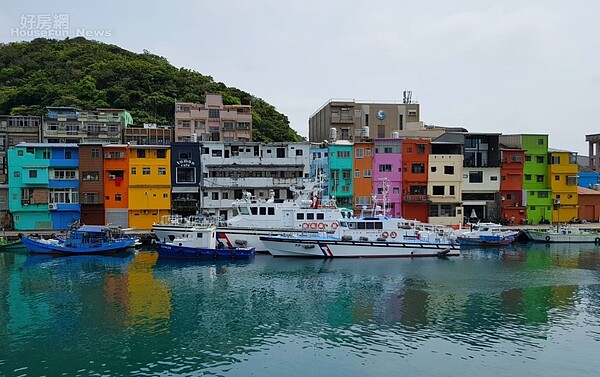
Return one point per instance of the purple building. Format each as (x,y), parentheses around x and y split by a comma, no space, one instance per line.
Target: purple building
(387,174)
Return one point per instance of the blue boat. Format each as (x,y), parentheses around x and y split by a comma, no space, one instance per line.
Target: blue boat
(87,239)
(201,243)
(487,234)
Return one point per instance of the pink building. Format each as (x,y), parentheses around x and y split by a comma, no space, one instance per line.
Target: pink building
(387,171)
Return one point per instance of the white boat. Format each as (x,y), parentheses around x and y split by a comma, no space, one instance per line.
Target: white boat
(565,234)
(487,234)
(367,237)
(255,217)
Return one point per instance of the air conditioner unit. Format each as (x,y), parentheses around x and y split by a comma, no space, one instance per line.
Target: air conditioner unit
(556,201)
(111,177)
(52,206)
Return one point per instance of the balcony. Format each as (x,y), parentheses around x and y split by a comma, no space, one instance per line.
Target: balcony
(416,199)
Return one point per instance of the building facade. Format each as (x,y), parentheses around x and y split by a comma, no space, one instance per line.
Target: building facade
(149,185)
(444,181)
(363,175)
(212,121)
(513,210)
(71,125)
(415,165)
(341,173)
(353,120)
(562,174)
(115,178)
(15,129)
(186,178)
(229,169)
(387,174)
(148,134)
(91,184)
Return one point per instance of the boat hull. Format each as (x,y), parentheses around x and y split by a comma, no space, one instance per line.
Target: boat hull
(35,246)
(320,248)
(553,237)
(185,252)
(12,246)
(485,241)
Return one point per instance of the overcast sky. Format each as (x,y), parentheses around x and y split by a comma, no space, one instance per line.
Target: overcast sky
(502,66)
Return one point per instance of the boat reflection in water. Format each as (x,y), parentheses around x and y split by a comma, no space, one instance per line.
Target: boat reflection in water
(475,313)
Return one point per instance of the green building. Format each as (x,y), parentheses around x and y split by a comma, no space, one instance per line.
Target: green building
(340,169)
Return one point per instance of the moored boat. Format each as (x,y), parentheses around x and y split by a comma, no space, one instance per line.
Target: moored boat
(86,239)
(202,243)
(565,234)
(487,234)
(11,245)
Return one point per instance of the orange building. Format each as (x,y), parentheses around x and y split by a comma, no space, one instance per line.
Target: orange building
(363,175)
(116,184)
(589,204)
(415,156)
(511,186)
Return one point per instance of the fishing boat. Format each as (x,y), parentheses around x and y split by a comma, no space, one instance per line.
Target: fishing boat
(85,239)
(201,243)
(487,234)
(11,245)
(564,234)
(255,217)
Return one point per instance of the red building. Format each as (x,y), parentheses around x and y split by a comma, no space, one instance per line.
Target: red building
(415,156)
(511,186)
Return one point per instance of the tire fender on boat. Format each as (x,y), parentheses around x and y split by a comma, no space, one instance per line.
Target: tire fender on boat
(597,240)
(334,225)
(393,234)
(385,234)
(547,238)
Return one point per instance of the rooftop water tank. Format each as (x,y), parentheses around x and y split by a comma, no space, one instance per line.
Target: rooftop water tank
(333,133)
(364,132)
(395,135)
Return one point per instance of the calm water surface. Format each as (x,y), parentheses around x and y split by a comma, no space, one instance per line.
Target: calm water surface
(524,310)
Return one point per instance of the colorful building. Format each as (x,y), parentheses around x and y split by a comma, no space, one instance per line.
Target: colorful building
(149,185)
(186,178)
(44,185)
(387,174)
(363,174)
(115,177)
(562,173)
(537,195)
(511,186)
(589,204)
(340,166)
(91,184)
(415,164)
(444,180)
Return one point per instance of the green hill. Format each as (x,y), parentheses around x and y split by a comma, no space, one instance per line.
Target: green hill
(89,74)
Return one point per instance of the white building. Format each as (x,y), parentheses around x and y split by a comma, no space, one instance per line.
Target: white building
(230,168)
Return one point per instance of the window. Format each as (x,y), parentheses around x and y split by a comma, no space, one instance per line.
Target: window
(527,158)
(165,195)
(185,124)
(449,169)
(438,190)
(146,171)
(67,155)
(418,190)
(451,190)
(346,174)
(20,152)
(217,153)
(555,160)
(475,177)
(367,173)
(95,152)
(433,169)
(214,113)
(90,198)
(357,174)
(162,171)
(215,196)
(117,197)
(542,194)
(515,158)
(299,152)
(540,159)
(344,154)
(359,152)
(493,178)
(385,168)
(91,176)
(185,155)
(396,190)
(540,141)
(420,148)
(408,150)
(63,195)
(141,153)
(528,177)
(571,180)
(65,174)
(133,170)
(161,153)
(17,174)
(418,168)
(539,178)
(368,152)
(33,174)
(186,175)
(557,177)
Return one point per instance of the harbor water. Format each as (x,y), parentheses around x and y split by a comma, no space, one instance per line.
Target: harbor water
(522,310)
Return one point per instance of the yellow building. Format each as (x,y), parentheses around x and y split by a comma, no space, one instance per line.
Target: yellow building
(149,185)
(562,178)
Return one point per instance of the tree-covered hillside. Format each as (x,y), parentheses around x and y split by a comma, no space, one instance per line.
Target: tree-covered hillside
(89,74)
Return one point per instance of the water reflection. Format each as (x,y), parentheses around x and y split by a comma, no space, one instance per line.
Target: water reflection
(141,314)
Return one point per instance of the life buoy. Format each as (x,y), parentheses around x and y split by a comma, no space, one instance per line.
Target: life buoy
(313,225)
(597,240)
(334,225)
(321,226)
(547,238)
(385,234)
(305,225)
(393,234)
